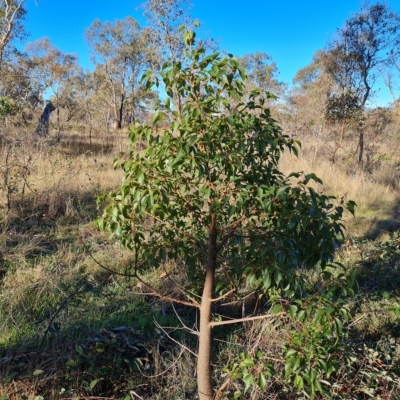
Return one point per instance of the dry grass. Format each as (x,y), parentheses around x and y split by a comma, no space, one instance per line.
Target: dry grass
(46,178)
(376,194)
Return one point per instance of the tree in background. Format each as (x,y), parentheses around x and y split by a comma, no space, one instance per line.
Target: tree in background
(302,112)
(262,72)
(165,19)
(305,106)
(120,51)
(84,86)
(207,193)
(368,42)
(12,13)
(50,73)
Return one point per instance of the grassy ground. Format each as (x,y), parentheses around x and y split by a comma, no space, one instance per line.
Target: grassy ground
(71,329)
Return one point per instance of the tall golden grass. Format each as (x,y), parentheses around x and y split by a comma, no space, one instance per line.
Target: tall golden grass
(376,193)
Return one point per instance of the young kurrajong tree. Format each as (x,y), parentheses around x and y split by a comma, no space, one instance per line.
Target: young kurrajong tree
(207,191)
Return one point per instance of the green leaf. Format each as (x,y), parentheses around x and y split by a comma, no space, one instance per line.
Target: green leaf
(79,350)
(298,382)
(290,353)
(156,118)
(276,309)
(313,177)
(100,347)
(282,191)
(293,310)
(319,386)
(339,325)
(37,372)
(94,383)
(320,312)
(248,362)
(301,315)
(351,205)
(262,382)
(248,380)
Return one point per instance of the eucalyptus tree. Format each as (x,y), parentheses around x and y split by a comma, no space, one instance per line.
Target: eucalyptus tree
(262,72)
(12,14)
(165,21)
(50,72)
(121,52)
(84,86)
(48,67)
(207,192)
(368,42)
(304,111)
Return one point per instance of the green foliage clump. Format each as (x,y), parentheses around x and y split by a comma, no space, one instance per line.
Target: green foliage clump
(7,107)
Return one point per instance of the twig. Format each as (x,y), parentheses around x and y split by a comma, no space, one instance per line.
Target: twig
(103,266)
(224,295)
(133,393)
(63,304)
(235,321)
(164,297)
(184,291)
(135,275)
(192,331)
(357,320)
(162,373)
(175,341)
(222,388)
(238,301)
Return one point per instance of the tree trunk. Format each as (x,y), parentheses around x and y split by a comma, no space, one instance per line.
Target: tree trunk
(204,381)
(119,113)
(58,124)
(117,124)
(117,120)
(361,148)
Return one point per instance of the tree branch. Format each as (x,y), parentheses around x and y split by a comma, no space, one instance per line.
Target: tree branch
(175,341)
(230,233)
(235,321)
(135,275)
(223,296)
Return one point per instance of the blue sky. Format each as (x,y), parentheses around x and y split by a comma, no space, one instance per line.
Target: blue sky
(291,31)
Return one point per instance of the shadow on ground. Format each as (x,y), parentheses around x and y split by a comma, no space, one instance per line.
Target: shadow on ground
(379,227)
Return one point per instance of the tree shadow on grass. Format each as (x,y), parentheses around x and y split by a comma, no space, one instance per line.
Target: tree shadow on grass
(390,224)
(376,306)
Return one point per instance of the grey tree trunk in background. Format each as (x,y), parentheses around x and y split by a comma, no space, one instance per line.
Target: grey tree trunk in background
(42,128)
